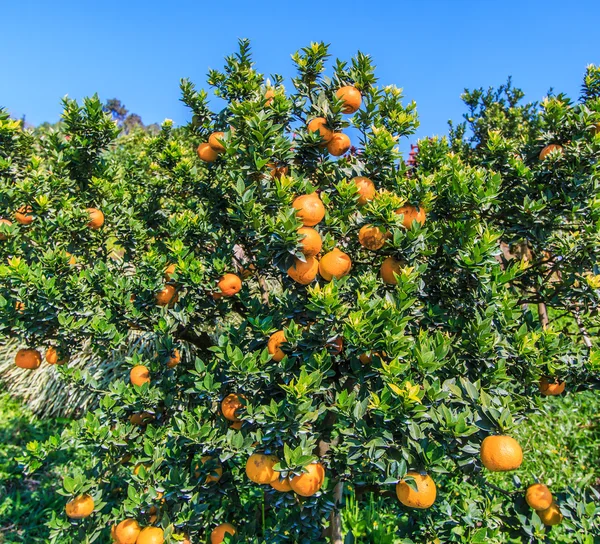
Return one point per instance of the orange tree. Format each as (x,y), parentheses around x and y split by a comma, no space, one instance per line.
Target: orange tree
(322,315)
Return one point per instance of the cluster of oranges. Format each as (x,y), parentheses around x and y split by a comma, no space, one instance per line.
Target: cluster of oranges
(336,263)
(31,359)
(24,216)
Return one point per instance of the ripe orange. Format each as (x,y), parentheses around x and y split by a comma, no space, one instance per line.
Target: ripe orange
(96,218)
(139,375)
(151,535)
(228,286)
(548,149)
(259,468)
(276,339)
(335,264)
(23,215)
(304,272)
(214,140)
(308,483)
(142,418)
(319,124)
(551,388)
(411,214)
(230,405)
(538,497)
(269,94)
(174,359)
(19,306)
(336,346)
(551,515)
(372,238)
(218,533)
(127,532)
(236,425)
(425,495)
(215,473)
(351,97)
(8,224)
(167,296)
(138,467)
(52,356)
(72,258)
(281,485)
(311,242)
(28,358)
(365,358)
(80,507)
(389,267)
(277,171)
(207,153)
(310,209)
(339,144)
(366,189)
(500,453)
(169,271)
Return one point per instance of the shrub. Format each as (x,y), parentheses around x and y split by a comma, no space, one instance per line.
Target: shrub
(489,286)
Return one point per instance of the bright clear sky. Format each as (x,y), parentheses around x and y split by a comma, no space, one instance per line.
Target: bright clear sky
(138,50)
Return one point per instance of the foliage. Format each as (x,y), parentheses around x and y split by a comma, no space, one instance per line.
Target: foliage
(497,289)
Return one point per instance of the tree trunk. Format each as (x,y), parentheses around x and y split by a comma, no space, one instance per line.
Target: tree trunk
(335,523)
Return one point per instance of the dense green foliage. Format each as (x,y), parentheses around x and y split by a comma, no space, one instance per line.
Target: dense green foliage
(497,289)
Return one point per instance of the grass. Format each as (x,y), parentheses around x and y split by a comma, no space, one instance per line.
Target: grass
(26,501)
(561,449)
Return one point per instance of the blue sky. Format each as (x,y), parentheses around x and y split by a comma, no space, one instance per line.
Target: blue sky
(137,51)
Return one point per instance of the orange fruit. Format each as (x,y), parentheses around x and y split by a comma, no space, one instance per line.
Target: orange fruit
(551,388)
(365,358)
(215,473)
(72,258)
(311,242)
(549,149)
(335,264)
(304,272)
(169,271)
(259,468)
(127,532)
(411,214)
(228,286)
(281,485)
(52,356)
(269,94)
(551,515)
(230,405)
(139,375)
(366,189)
(372,238)
(174,359)
(23,215)
(309,482)
(336,346)
(8,224)
(96,218)
(207,153)
(310,209)
(19,306)
(218,533)
(28,358)
(138,467)
(538,497)
(500,453)
(276,339)
(319,124)
(339,144)
(151,535)
(80,507)
(425,495)
(167,296)
(214,141)
(389,267)
(140,419)
(277,171)
(351,98)
(237,425)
